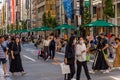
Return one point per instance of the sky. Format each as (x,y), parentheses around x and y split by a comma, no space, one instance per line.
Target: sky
(1,4)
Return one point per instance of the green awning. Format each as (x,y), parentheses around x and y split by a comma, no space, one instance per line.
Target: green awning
(64,26)
(100,23)
(43,28)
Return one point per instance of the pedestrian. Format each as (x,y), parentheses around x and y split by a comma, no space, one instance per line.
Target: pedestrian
(111,42)
(3,55)
(116,62)
(52,48)
(100,62)
(46,43)
(81,52)
(16,63)
(9,44)
(70,57)
(119,36)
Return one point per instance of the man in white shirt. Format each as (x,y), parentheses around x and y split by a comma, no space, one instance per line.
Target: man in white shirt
(81,52)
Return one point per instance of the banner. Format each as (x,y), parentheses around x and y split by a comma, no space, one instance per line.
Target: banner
(27,4)
(12,11)
(68,8)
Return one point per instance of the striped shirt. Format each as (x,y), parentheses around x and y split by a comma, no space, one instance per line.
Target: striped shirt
(2,53)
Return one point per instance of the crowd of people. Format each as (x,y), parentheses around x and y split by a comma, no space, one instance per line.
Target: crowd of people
(102,47)
(10,49)
(77,49)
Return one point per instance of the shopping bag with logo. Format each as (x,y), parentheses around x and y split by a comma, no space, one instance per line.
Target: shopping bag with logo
(65,68)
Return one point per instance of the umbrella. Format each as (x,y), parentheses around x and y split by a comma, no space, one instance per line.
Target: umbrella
(99,23)
(12,31)
(35,29)
(64,26)
(44,28)
(24,30)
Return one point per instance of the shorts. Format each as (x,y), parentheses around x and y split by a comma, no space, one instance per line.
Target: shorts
(3,61)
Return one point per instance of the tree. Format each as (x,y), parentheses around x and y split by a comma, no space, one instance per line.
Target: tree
(12,27)
(48,20)
(17,25)
(8,28)
(24,24)
(108,10)
(44,19)
(86,16)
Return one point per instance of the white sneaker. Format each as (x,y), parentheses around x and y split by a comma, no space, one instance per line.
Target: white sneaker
(6,75)
(107,71)
(73,79)
(92,72)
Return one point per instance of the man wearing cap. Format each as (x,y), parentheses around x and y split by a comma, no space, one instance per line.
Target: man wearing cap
(3,55)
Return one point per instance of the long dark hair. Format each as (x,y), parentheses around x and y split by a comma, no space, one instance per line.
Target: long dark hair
(70,42)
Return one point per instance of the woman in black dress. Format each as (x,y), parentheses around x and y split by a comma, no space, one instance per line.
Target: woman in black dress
(70,57)
(16,63)
(100,62)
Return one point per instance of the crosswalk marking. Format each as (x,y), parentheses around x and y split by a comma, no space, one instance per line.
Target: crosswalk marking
(29,58)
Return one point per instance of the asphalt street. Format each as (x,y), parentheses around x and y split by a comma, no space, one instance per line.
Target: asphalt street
(38,69)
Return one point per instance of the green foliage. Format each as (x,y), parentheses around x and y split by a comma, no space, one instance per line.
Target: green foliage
(8,28)
(44,19)
(108,10)
(86,16)
(48,20)
(12,27)
(17,25)
(24,24)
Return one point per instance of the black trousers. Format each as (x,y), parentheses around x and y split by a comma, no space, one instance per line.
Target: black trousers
(46,51)
(52,53)
(72,69)
(79,67)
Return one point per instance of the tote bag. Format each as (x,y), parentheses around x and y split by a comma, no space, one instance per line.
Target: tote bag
(65,68)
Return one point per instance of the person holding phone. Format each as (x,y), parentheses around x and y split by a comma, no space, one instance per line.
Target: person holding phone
(80,52)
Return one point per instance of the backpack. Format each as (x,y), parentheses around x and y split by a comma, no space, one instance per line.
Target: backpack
(52,43)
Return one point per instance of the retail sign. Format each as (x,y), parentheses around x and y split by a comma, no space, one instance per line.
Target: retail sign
(86,3)
(12,11)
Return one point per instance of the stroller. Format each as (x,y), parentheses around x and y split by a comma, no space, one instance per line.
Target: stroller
(41,54)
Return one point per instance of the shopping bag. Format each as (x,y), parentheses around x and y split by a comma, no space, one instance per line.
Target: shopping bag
(39,52)
(87,57)
(65,68)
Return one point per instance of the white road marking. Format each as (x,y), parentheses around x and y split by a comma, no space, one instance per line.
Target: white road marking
(29,58)
(115,78)
(60,53)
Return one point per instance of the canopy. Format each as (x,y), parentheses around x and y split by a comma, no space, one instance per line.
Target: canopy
(24,30)
(99,23)
(43,28)
(12,31)
(64,26)
(35,29)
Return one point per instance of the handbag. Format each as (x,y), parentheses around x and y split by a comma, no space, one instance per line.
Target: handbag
(65,68)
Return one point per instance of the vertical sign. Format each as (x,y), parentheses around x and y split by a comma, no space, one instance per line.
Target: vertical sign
(27,4)
(12,10)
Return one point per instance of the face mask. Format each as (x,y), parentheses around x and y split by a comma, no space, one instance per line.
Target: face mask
(81,42)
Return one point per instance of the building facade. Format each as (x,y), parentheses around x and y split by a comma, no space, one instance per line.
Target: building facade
(39,8)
